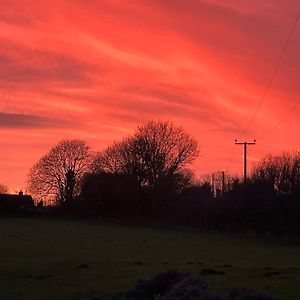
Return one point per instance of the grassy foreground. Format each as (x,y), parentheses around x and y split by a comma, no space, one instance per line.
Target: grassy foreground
(59,259)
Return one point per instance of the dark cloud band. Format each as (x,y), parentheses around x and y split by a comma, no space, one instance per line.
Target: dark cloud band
(9,120)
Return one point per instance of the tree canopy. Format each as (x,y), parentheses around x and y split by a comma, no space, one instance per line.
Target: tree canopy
(158,153)
(58,173)
(3,189)
(282,172)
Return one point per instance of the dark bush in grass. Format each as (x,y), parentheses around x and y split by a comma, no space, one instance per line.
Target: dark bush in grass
(189,288)
(158,285)
(173,285)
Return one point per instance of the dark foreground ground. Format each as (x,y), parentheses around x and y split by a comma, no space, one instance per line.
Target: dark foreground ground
(60,259)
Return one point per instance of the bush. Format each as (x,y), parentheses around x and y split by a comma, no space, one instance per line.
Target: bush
(157,286)
(173,285)
(189,288)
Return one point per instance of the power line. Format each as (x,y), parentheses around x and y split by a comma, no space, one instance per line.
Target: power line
(267,90)
(272,75)
(294,107)
(280,121)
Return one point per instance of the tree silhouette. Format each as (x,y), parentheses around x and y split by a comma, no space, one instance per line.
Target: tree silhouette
(3,189)
(157,155)
(59,173)
(282,172)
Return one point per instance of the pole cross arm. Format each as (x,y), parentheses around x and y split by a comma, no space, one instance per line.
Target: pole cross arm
(248,143)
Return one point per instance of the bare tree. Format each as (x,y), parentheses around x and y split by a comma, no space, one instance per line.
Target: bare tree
(3,189)
(282,172)
(59,173)
(158,153)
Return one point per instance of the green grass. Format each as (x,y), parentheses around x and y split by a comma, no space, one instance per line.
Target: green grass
(59,259)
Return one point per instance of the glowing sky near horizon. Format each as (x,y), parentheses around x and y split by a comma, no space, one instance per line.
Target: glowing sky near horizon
(96,69)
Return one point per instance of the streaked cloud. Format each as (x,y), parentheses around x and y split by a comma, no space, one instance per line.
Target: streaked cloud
(10,120)
(96,69)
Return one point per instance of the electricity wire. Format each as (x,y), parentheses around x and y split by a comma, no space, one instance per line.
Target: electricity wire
(280,121)
(269,84)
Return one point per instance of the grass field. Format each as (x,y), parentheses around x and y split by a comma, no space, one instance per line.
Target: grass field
(59,259)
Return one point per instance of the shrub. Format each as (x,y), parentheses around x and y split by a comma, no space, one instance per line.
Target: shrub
(173,285)
(158,285)
(189,288)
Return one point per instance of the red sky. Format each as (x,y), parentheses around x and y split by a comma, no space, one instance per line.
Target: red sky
(96,69)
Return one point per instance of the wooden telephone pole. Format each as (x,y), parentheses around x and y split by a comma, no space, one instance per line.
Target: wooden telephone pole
(215,177)
(245,155)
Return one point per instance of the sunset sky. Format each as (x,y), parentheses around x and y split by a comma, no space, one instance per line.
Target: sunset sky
(96,69)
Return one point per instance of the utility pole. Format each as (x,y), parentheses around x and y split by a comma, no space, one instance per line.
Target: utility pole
(213,184)
(219,188)
(245,155)
(223,182)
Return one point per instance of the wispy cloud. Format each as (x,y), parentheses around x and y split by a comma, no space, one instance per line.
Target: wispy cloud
(95,69)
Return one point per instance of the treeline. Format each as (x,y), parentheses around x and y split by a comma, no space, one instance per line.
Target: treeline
(155,159)
(145,177)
